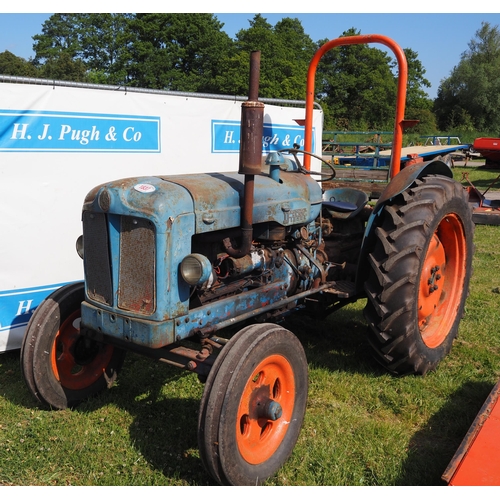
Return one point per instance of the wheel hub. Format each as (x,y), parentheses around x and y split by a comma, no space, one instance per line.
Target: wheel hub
(435,276)
(429,289)
(262,405)
(77,361)
(84,350)
(270,410)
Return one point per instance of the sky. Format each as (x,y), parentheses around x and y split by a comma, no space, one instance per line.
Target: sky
(439,37)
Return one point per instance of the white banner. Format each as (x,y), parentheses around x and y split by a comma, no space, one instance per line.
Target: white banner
(57,143)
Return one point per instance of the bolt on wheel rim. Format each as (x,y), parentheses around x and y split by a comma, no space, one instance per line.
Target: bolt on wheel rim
(441,281)
(265,409)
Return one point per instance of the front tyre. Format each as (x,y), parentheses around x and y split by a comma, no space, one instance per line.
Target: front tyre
(421,265)
(61,367)
(253,406)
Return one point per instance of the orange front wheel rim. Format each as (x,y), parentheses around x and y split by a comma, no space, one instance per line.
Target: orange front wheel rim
(265,409)
(77,362)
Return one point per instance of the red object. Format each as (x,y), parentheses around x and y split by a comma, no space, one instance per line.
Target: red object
(399,120)
(489,147)
(414,158)
(477,460)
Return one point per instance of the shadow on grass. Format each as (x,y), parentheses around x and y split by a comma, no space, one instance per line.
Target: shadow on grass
(12,383)
(337,343)
(164,428)
(432,448)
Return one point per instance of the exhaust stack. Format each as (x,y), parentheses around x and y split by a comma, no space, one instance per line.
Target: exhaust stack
(250,162)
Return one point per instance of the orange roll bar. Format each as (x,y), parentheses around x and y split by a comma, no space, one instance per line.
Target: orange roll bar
(400,99)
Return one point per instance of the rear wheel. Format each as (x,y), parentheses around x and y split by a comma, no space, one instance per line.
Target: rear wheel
(420,270)
(61,367)
(253,406)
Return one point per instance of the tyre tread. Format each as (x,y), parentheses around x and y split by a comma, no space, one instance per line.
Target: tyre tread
(400,241)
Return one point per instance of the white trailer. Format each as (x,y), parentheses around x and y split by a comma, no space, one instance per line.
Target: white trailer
(58,140)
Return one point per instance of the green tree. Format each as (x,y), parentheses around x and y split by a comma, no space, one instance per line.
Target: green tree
(234,74)
(426,125)
(60,34)
(296,52)
(418,104)
(470,96)
(63,67)
(105,41)
(416,96)
(191,52)
(177,51)
(285,54)
(98,45)
(165,51)
(13,65)
(357,86)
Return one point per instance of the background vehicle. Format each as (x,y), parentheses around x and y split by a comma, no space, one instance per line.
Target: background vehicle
(170,261)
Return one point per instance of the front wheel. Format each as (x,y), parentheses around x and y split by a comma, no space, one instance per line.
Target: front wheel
(253,405)
(421,265)
(61,367)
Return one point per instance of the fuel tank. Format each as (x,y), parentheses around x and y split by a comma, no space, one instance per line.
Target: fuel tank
(294,199)
(214,198)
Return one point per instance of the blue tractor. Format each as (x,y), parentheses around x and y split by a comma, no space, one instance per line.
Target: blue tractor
(171,261)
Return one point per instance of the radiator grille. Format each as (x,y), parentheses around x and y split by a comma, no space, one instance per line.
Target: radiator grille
(96,253)
(136,291)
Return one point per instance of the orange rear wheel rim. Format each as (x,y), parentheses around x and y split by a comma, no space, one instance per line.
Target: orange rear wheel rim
(441,282)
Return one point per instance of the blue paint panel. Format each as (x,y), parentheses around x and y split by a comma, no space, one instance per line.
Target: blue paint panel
(226,136)
(53,131)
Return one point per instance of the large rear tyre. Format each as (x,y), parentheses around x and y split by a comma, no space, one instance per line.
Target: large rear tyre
(253,406)
(421,265)
(62,368)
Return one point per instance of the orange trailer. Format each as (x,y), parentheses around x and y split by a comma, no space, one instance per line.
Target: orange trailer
(477,460)
(489,148)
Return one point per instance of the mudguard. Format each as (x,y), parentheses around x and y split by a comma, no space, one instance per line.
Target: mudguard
(396,186)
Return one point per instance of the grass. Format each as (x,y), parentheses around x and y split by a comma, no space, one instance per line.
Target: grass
(362,426)
(482,178)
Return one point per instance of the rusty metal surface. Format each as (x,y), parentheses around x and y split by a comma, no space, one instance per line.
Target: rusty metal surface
(295,200)
(274,299)
(408,175)
(143,332)
(248,202)
(136,288)
(96,251)
(252,123)
(250,162)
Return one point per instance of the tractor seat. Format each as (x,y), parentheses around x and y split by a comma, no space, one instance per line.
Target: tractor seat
(343,203)
(340,206)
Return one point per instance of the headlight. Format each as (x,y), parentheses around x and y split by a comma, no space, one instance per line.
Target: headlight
(196,269)
(79,246)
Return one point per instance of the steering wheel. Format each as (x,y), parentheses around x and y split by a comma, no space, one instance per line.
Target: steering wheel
(295,151)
